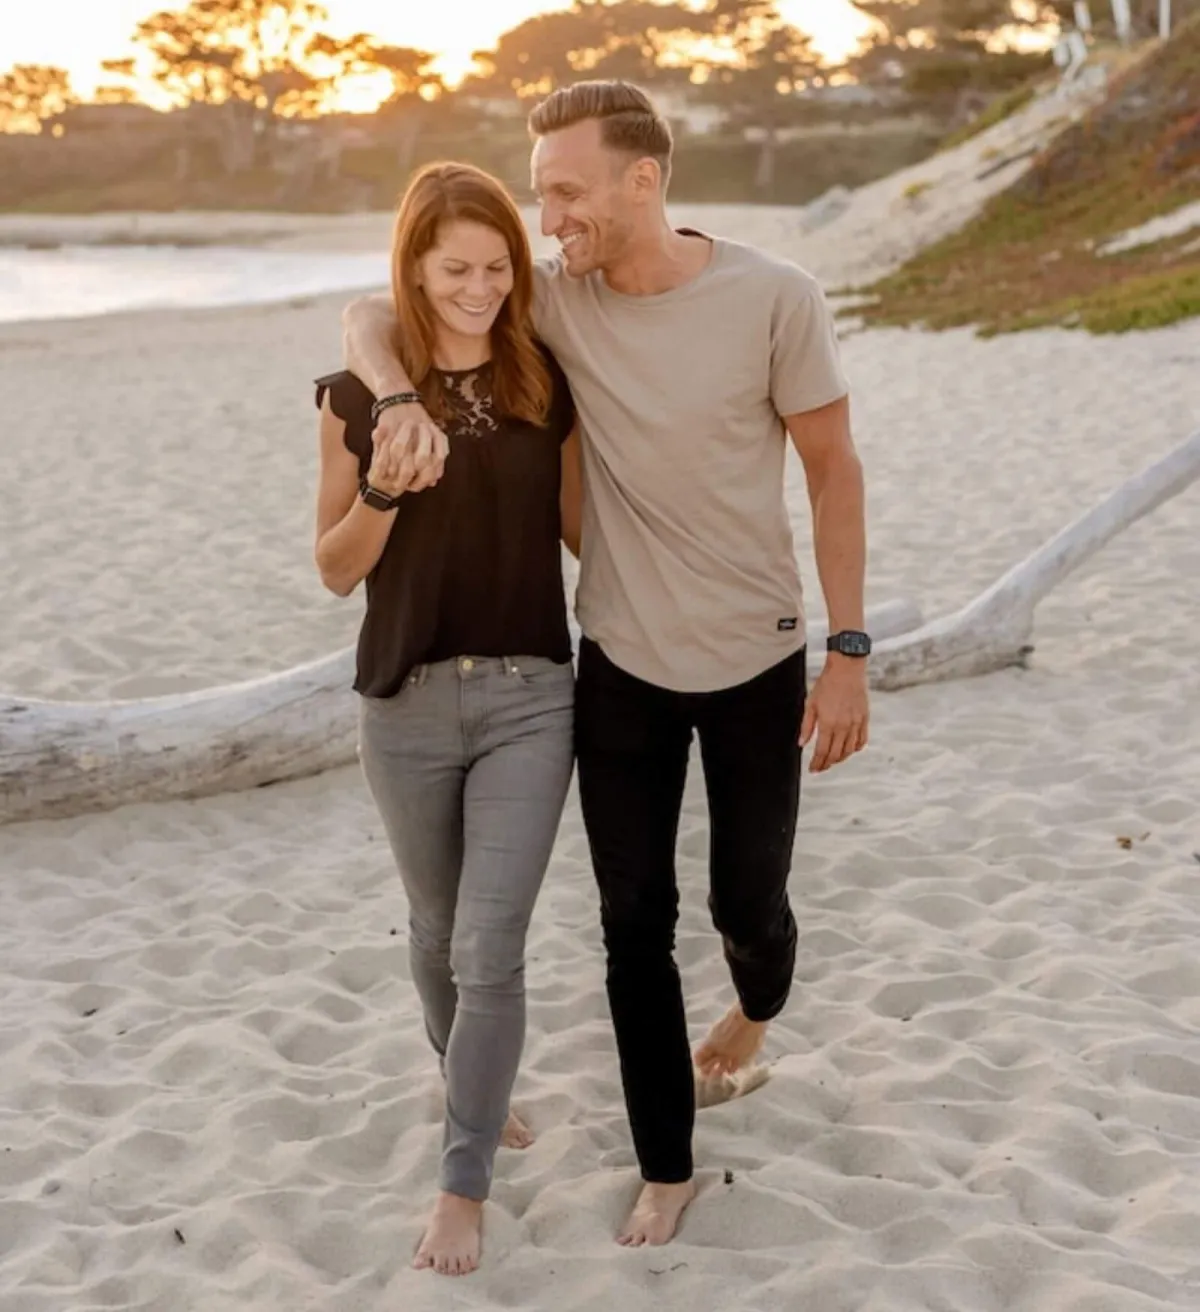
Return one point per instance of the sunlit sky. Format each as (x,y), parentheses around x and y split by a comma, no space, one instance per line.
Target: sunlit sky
(45,33)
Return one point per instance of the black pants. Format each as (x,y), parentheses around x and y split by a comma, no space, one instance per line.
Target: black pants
(632,740)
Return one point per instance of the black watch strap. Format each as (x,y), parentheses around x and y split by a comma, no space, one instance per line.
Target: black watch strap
(375,499)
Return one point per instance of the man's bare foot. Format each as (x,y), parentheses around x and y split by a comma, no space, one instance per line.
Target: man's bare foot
(655,1216)
(451,1242)
(733,1042)
(712,1090)
(516,1134)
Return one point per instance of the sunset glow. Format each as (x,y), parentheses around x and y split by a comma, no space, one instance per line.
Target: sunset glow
(452,29)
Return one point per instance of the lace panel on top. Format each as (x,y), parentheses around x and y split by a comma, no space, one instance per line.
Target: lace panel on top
(468,395)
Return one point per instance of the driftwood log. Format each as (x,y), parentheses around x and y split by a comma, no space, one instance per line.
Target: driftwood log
(65,758)
(993,631)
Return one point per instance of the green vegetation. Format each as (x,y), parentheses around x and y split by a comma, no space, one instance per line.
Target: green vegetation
(1031,257)
(997,110)
(718,167)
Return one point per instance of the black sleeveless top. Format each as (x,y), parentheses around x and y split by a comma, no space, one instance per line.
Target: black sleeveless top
(472,566)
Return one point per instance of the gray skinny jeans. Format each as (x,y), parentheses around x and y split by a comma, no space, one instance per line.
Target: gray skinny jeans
(469,766)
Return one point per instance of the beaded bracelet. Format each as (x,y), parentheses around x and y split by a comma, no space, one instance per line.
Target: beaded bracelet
(398,398)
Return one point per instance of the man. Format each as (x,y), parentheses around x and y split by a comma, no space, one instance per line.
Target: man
(689,357)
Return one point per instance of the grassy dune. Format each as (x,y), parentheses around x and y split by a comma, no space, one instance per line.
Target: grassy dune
(1032,256)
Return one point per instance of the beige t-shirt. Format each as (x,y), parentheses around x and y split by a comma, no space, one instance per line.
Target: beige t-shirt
(688,575)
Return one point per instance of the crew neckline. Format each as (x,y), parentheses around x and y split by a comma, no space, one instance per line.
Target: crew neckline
(464,373)
(672,293)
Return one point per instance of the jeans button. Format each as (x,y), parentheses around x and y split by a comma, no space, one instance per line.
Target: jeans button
(468,664)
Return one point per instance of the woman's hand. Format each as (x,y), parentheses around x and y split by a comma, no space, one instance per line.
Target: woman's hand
(393,466)
(410,429)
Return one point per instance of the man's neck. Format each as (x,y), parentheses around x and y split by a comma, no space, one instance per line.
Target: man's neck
(659,262)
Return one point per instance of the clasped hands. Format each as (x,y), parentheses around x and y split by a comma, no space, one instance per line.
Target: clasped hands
(409,452)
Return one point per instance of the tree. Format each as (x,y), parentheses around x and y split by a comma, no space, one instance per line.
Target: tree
(30,93)
(409,69)
(118,93)
(768,62)
(639,40)
(249,56)
(537,55)
(414,84)
(943,53)
(646,41)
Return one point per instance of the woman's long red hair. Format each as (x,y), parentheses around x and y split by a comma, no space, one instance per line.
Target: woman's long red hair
(438,194)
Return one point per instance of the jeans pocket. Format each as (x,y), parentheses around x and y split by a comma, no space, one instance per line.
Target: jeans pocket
(541,672)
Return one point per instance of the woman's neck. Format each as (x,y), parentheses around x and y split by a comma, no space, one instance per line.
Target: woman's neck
(454,352)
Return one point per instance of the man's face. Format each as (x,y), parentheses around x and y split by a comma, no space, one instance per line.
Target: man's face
(587,199)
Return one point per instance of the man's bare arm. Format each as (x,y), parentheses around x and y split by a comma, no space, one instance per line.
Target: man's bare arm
(368,332)
(837,706)
(368,336)
(836,492)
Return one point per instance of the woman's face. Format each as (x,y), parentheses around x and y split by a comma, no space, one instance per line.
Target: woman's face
(466,276)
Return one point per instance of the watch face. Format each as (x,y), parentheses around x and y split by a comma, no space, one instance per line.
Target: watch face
(852,644)
(379,500)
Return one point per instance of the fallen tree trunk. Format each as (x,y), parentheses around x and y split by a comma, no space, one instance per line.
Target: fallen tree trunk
(65,758)
(993,631)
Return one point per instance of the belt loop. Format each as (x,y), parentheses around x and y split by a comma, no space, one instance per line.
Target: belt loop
(420,673)
(510,666)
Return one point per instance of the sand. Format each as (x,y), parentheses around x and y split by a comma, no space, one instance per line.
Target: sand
(985,1090)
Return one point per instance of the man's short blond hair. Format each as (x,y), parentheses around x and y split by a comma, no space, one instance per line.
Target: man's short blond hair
(629,123)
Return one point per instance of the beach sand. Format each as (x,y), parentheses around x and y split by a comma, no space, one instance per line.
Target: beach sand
(985,1091)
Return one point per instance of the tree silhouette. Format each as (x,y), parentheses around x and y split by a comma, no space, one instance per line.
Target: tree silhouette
(414,84)
(640,40)
(117,93)
(30,93)
(769,61)
(644,41)
(541,53)
(249,56)
(942,51)
(408,69)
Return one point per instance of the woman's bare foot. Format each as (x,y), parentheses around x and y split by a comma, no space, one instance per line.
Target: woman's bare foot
(655,1216)
(451,1242)
(733,1042)
(516,1134)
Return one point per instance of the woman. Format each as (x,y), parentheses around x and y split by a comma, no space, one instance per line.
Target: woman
(464,657)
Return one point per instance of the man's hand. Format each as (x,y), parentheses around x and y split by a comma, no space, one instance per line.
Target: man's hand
(836,711)
(413,441)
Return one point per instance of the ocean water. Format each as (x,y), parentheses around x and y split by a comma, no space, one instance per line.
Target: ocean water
(75,281)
